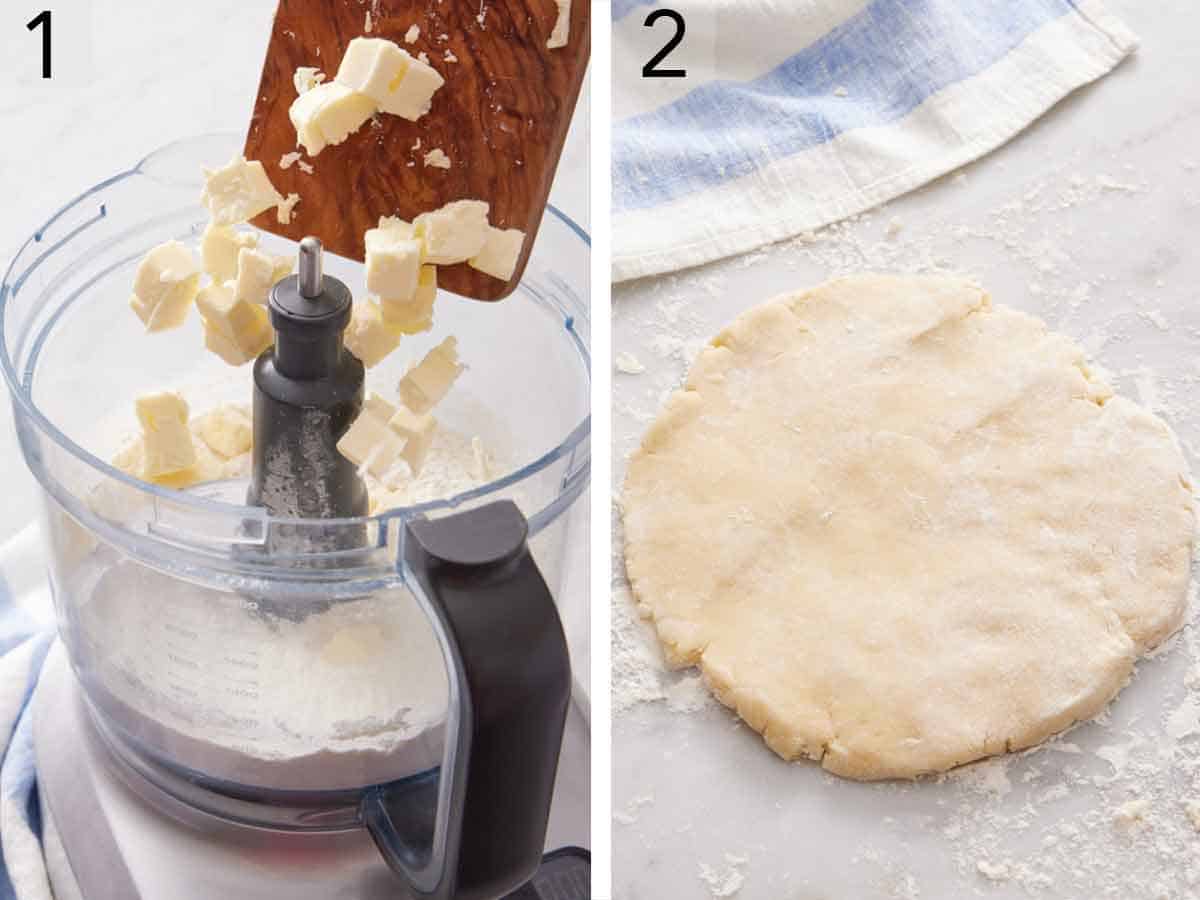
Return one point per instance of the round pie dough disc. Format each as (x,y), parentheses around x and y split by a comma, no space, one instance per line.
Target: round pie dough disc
(899,528)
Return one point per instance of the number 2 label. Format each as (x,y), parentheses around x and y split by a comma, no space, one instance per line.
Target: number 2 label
(651,69)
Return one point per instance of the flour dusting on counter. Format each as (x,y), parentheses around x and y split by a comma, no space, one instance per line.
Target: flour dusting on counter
(724,879)
(1112,807)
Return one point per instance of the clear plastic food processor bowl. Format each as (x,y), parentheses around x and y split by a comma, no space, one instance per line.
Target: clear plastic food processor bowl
(209,664)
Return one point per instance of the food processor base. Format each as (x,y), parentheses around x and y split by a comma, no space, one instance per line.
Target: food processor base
(107,842)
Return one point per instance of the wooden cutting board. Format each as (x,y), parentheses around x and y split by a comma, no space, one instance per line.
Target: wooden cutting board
(501,117)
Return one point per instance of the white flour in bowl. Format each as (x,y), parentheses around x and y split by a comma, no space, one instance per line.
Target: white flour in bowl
(322,695)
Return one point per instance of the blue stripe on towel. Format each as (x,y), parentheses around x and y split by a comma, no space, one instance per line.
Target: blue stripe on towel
(18,776)
(890,58)
(19,779)
(622,8)
(15,625)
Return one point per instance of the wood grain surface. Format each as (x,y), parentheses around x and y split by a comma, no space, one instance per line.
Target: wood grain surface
(501,117)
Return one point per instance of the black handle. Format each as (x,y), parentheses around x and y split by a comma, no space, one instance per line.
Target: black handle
(477,831)
(565,874)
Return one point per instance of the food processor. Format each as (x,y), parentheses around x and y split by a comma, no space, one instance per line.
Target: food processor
(246,704)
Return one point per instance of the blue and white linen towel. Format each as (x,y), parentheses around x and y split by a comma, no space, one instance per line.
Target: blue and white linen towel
(798,113)
(26,633)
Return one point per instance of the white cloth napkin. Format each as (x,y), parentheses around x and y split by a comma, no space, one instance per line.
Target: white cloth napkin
(798,113)
(26,633)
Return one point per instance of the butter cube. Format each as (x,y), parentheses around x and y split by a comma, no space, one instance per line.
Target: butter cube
(234,329)
(219,249)
(180,481)
(427,286)
(393,264)
(165,286)
(373,66)
(413,97)
(426,383)
(367,336)
(370,443)
(562,26)
(437,159)
(481,467)
(166,440)
(238,192)
(378,408)
(227,430)
(397,83)
(327,115)
(454,233)
(258,272)
(397,226)
(417,430)
(207,467)
(129,458)
(224,347)
(415,315)
(306,78)
(284,213)
(500,253)
(225,313)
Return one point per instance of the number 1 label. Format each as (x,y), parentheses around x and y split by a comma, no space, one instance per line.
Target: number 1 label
(42,20)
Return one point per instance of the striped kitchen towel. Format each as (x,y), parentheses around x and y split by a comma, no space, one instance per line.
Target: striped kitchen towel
(797,113)
(25,638)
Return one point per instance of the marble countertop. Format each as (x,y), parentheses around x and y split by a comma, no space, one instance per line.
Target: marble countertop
(142,74)
(1089,220)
